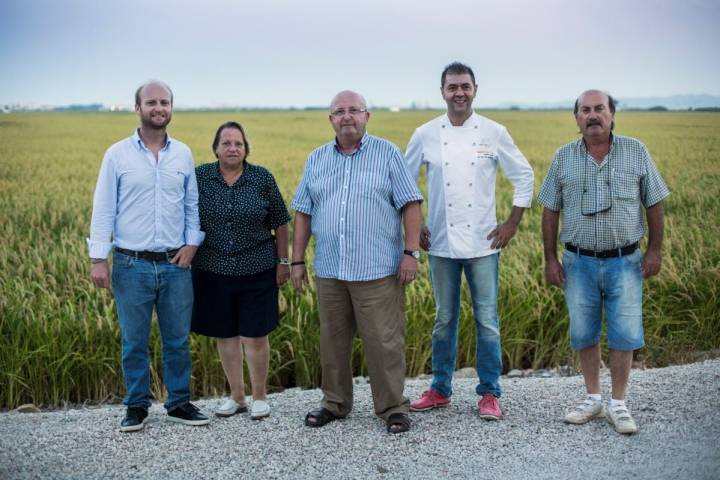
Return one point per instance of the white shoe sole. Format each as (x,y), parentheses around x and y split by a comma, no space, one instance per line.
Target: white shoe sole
(444,405)
(623,431)
(194,423)
(583,421)
(134,428)
(490,417)
(260,414)
(230,413)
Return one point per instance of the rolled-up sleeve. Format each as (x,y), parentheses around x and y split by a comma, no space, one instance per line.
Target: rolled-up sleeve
(517,170)
(404,188)
(550,195)
(302,201)
(104,208)
(652,187)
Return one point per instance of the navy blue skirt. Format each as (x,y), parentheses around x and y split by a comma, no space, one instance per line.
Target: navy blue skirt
(228,306)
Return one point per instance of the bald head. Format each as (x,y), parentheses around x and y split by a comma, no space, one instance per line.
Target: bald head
(151,83)
(348,96)
(610,100)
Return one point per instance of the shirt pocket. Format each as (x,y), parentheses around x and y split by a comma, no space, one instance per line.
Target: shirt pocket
(172,182)
(626,185)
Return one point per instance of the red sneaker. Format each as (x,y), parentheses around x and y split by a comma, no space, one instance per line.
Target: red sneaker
(489,407)
(430,399)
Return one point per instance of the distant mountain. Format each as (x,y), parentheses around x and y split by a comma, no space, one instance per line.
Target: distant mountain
(674,102)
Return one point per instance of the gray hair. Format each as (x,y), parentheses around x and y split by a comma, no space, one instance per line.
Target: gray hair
(346,92)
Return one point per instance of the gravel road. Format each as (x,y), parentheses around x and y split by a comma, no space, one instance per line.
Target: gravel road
(677,409)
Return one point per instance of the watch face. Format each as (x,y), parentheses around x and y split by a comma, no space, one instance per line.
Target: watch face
(416,254)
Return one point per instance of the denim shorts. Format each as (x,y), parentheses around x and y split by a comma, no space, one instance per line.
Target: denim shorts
(613,283)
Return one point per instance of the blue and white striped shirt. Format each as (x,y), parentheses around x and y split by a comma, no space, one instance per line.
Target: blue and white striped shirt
(355,202)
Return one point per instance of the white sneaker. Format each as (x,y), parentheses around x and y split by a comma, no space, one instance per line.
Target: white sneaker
(585,412)
(260,409)
(230,408)
(620,418)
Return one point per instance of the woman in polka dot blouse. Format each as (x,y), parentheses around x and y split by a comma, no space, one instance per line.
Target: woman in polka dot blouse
(240,266)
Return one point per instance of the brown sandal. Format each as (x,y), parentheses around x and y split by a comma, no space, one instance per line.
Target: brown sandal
(398,423)
(320,417)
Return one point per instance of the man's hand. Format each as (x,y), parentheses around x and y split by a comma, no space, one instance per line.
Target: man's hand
(184,256)
(502,234)
(299,277)
(100,274)
(282,273)
(408,269)
(554,273)
(425,238)
(650,263)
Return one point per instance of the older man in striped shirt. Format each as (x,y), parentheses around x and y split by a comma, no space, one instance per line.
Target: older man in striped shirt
(354,194)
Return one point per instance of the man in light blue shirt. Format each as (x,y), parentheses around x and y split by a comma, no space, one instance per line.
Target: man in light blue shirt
(353,196)
(146,207)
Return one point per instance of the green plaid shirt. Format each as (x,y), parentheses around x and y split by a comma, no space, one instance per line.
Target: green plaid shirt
(602,204)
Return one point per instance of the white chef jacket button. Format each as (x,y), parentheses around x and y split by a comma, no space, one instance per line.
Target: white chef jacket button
(444,143)
(447,184)
(469,204)
(475,126)
(452,225)
(474,144)
(471,184)
(446,163)
(449,204)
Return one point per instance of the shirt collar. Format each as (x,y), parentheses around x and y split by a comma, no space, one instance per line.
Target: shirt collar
(358,146)
(141,145)
(469,122)
(581,144)
(218,175)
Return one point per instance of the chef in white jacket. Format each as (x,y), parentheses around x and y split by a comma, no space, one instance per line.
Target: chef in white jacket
(462,152)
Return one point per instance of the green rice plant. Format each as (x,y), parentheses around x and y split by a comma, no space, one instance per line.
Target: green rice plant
(59,337)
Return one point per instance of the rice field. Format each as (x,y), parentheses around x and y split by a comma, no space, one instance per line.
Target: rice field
(59,337)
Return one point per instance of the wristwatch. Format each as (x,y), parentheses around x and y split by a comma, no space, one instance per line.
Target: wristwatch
(283,261)
(413,253)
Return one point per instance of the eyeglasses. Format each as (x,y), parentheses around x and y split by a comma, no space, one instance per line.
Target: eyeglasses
(340,112)
(602,198)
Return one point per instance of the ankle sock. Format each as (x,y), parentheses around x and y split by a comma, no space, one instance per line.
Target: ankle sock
(595,397)
(617,403)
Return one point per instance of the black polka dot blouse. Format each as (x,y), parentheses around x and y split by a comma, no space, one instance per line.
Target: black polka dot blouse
(238,220)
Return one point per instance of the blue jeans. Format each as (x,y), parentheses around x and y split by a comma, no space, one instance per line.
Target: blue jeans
(139,285)
(616,284)
(482,277)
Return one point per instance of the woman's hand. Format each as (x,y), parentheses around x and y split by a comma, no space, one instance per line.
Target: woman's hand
(282,274)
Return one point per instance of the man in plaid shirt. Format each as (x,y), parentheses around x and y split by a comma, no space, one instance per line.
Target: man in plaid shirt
(601,182)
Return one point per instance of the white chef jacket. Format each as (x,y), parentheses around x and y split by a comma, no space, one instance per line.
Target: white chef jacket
(461,164)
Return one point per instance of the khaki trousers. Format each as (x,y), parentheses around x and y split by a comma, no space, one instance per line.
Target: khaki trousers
(376,310)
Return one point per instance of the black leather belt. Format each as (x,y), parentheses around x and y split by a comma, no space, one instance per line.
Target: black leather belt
(616,252)
(149,256)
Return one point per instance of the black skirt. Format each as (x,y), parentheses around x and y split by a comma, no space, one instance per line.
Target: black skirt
(228,306)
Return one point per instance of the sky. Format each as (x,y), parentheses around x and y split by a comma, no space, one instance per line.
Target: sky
(298,53)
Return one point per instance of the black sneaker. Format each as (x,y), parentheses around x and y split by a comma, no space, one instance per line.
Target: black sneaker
(134,420)
(188,414)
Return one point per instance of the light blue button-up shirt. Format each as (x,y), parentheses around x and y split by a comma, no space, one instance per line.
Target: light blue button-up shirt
(145,204)
(355,202)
